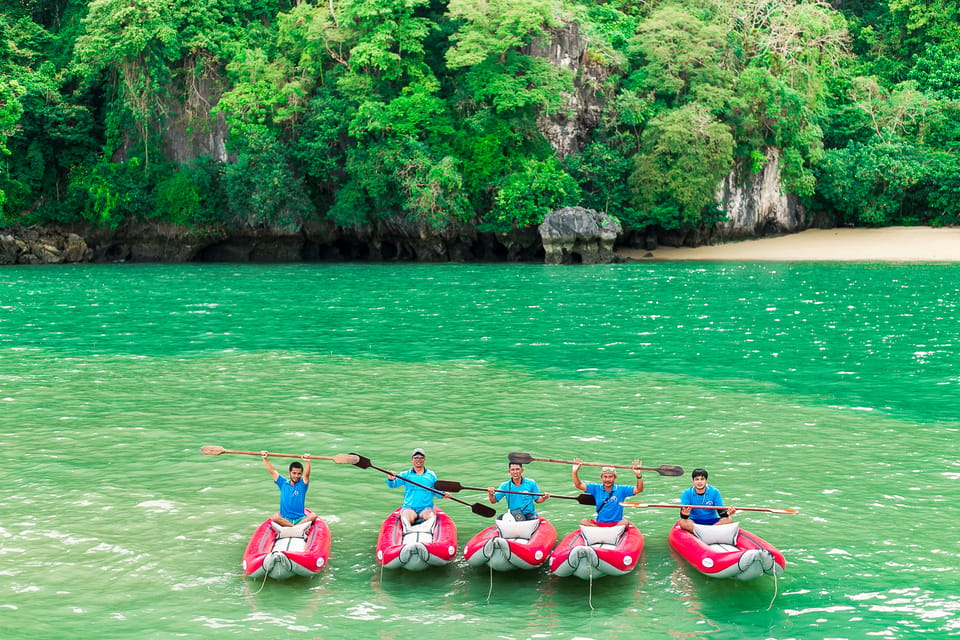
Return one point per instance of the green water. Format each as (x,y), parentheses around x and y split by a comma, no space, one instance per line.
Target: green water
(828,388)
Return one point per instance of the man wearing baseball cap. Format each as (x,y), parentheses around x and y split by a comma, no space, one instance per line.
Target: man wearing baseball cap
(607,494)
(417,502)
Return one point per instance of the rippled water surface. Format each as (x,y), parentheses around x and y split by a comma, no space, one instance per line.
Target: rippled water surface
(828,388)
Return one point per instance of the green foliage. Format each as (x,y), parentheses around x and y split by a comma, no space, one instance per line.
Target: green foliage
(518,83)
(528,195)
(403,180)
(262,189)
(385,38)
(602,173)
(429,114)
(685,154)
(113,192)
(887,182)
(681,55)
(178,199)
(495,28)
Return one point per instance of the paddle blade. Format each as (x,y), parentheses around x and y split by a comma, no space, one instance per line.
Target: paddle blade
(346,458)
(450,486)
(362,461)
(483,510)
(586,498)
(211,450)
(519,458)
(670,470)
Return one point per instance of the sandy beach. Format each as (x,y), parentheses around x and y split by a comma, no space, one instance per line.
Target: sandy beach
(888,244)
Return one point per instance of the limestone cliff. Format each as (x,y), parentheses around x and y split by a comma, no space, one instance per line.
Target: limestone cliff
(756,204)
(568,129)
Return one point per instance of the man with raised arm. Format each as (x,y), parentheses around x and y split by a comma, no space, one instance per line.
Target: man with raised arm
(293,492)
(607,494)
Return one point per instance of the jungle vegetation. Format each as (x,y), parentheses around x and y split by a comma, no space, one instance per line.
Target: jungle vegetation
(428,112)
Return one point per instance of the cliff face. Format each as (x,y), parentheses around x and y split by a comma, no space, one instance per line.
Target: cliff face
(191,130)
(756,204)
(567,130)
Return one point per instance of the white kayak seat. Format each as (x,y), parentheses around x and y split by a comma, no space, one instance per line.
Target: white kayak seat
(722,534)
(290,544)
(422,532)
(603,537)
(723,547)
(296,531)
(517,530)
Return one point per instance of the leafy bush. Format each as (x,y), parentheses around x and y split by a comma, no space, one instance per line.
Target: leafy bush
(528,195)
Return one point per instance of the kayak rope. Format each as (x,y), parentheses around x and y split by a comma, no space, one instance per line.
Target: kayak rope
(775,585)
(590,592)
(266,574)
(490,590)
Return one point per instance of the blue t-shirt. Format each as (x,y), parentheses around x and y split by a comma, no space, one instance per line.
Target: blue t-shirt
(710,498)
(293,498)
(608,502)
(523,503)
(413,496)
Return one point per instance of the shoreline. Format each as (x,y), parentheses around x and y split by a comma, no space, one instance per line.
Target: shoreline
(885,244)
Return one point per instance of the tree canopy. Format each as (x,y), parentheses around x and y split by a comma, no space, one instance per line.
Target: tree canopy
(439,114)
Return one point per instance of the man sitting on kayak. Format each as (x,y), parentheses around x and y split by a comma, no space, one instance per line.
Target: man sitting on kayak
(520,506)
(293,492)
(607,494)
(417,502)
(706,495)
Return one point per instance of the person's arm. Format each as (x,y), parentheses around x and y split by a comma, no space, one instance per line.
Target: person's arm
(685,511)
(306,469)
(491,495)
(576,475)
(393,480)
(637,472)
(269,465)
(726,513)
(535,488)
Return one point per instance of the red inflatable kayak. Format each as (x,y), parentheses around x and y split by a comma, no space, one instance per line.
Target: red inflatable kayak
(727,551)
(509,545)
(432,543)
(593,552)
(283,552)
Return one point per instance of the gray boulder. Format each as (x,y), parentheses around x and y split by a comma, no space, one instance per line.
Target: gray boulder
(575,235)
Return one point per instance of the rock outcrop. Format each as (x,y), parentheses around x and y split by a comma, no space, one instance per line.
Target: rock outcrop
(756,205)
(575,235)
(40,246)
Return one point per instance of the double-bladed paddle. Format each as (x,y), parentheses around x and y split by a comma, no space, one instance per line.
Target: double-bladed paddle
(480,509)
(340,458)
(453,486)
(664,469)
(696,506)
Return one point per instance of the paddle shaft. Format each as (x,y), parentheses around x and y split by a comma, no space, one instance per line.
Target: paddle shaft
(479,509)
(664,469)
(450,485)
(695,506)
(211,450)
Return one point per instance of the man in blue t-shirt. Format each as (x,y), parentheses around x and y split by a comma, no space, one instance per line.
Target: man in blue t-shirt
(293,492)
(520,504)
(702,494)
(417,502)
(607,494)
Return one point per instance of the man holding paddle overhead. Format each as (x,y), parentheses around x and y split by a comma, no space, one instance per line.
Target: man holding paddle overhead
(417,500)
(706,495)
(520,504)
(607,494)
(293,492)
